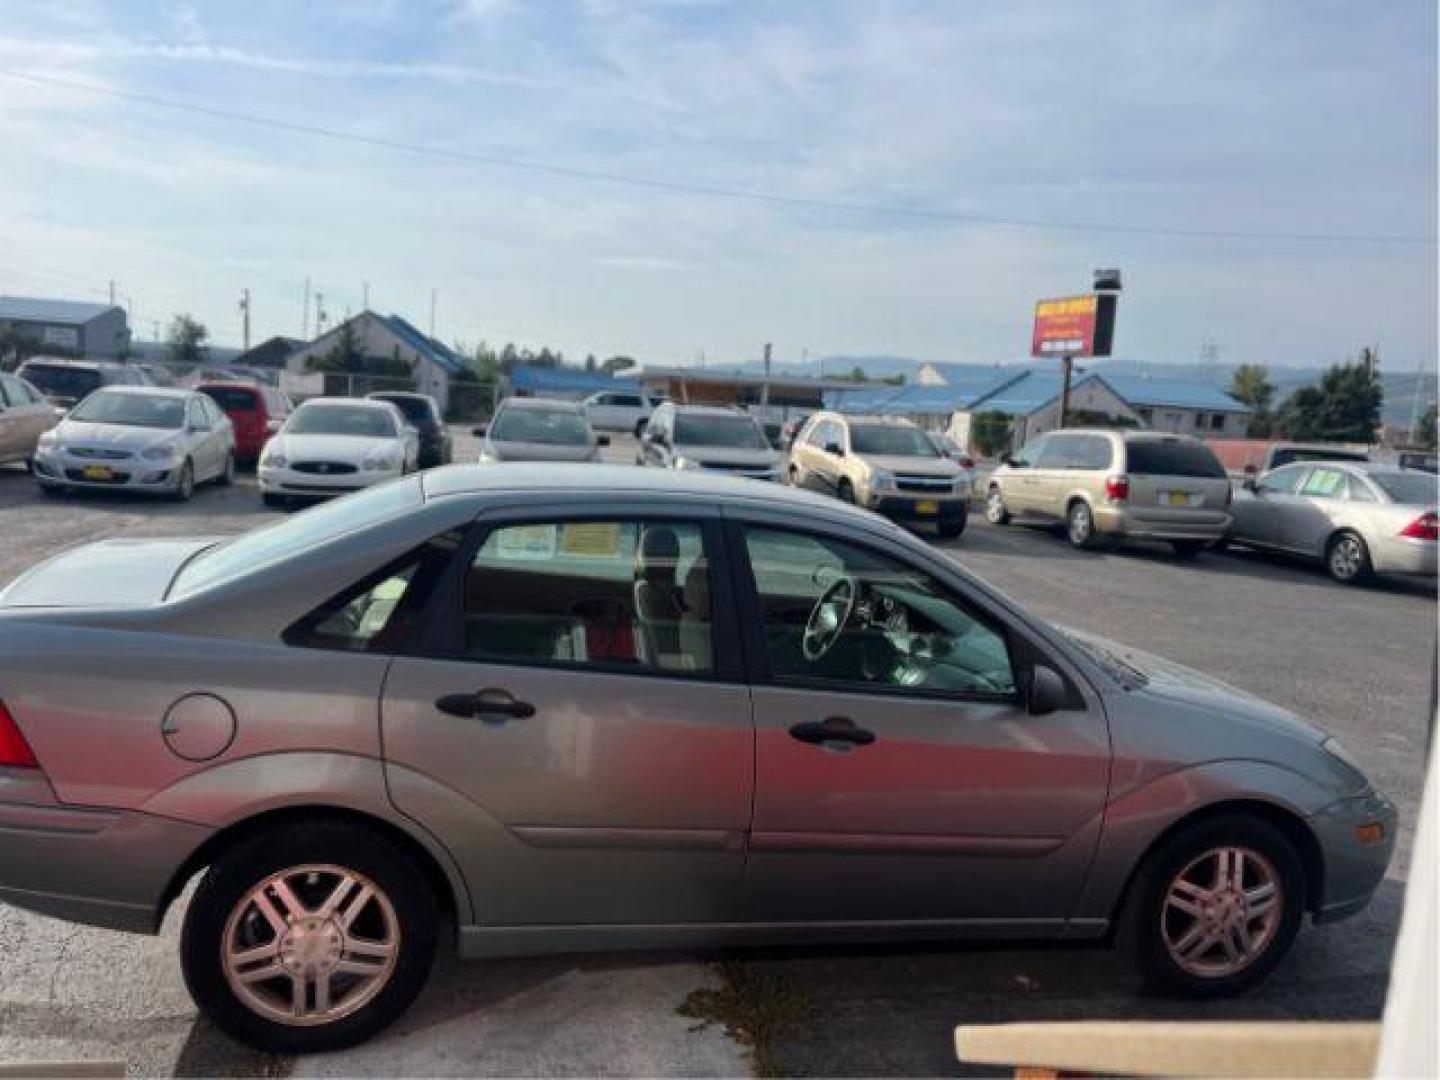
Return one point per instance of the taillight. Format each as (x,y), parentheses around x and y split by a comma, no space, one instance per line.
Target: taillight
(1117,488)
(15,752)
(1425,527)
(967,463)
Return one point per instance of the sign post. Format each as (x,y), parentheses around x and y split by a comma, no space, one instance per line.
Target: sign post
(1071,326)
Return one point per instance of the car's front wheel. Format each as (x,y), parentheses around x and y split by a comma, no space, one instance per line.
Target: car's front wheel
(309,938)
(184,483)
(1217,907)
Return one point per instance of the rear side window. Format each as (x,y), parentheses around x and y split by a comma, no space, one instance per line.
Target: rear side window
(232,398)
(1171,457)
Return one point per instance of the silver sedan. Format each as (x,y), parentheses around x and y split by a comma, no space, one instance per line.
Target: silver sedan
(634,708)
(1358,518)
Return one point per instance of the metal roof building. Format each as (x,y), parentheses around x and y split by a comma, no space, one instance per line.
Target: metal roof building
(94,331)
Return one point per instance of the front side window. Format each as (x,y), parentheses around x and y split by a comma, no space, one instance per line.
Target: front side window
(1030,452)
(1281,481)
(836,613)
(617,595)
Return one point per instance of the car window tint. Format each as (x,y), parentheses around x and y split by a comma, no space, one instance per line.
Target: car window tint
(381,613)
(619,595)
(1282,481)
(1172,457)
(1358,490)
(232,398)
(1057,453)
(1408,489)
(1323,484)
(840,614)
(1091,452)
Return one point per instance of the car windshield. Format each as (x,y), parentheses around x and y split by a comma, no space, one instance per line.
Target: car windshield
(895,440)
(131,410)
(341,419)
(62,382)
(1408,489)
(232,398)
(274,543)
(1172,457)
(738,432)
(553,427)
(415,409)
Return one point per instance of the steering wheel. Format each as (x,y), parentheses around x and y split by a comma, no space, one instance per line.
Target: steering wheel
(828,617)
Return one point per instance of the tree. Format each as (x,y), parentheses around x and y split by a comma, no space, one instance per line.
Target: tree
(617,363)
(590,362)
(1345,407)
(509,357)
(1250,385)
(1426,434)
(186,341)
(857,374)
(17,344)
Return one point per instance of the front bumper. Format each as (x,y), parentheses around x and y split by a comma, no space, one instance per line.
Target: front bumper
(1160,524)
(54,469)
(98,867)
(900,507)
(1353,869)
(286,481)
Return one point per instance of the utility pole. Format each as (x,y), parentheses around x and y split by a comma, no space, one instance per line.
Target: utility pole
(319,313)
(1415,398)
(305,314)
(245,318)
(112,292)
(765,388)
(365,304)
(433,296)
(1066,363)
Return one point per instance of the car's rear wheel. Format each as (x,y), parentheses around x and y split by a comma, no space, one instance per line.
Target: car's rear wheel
(1347,558)
(1080,525)
(948,528)
(846,491)
(309,938)
(995,511)
(1217,907)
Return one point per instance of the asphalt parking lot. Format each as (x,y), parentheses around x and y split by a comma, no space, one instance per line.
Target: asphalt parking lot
(1357,661)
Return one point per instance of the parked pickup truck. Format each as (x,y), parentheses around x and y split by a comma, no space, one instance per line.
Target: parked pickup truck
(1241,456)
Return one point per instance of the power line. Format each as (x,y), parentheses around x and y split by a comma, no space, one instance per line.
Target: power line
(685,187)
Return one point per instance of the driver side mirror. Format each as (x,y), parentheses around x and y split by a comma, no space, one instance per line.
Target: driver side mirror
(1047,691)
(835,448)
(602,440)
(1250,483)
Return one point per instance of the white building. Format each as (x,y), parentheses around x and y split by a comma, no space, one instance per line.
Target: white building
(432,364)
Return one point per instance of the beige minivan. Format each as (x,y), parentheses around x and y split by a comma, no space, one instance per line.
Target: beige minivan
(1146,485)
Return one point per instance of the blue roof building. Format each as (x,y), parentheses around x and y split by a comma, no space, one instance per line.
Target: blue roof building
(532,381)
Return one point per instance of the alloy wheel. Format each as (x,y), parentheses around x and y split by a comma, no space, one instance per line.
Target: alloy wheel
(310,944)
(1221,912)
(994,506)
(1080,524)
(1347,558)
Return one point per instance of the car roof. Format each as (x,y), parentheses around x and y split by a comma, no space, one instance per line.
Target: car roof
(359,403)
(227,384)
(150,391)
(706,410)
(387,395)
(65,361)
(626,480)
(871,418)
(540,402)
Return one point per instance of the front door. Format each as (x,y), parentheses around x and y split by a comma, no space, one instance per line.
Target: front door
(1311,518)
(1260,516)
(898,774)
(582,694)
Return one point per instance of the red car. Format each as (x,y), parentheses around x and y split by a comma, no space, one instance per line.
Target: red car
(256,411)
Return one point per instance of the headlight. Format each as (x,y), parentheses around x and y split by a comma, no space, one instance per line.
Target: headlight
(273,460)
(163,452)
(686,463)
(381,464)
(488,458)
(880,479)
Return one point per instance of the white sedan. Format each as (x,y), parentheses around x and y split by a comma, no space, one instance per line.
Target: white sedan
(138,438)
(330,446)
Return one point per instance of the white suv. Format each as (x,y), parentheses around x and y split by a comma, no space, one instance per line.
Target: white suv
(620,410)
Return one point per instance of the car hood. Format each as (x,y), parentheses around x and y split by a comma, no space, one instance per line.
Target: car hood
(1176,683)
(130,438)
(914,466)
(505,450)
(729,455)
(352,449)
(110,573)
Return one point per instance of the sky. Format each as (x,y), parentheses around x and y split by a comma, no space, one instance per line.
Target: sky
(667,179)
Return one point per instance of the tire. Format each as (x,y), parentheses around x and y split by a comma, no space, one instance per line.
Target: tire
(227,474)
(1188,549)
(1347,559)
(951,527)
(846,491)
(796,479)
(272,500)
(995,511)
(52,490)
(1080,525)
(640,428)
(184,484)
(1156,928)
(225,918)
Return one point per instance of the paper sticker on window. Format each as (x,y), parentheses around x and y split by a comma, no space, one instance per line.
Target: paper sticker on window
(1323,482)
(533,542)
(591,539)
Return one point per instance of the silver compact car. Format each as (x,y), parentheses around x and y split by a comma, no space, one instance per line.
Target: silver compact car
(151,440)
(539,429)
(1357,518)
(630,709)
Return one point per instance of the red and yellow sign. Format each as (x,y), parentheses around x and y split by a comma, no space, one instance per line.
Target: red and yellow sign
(1065,326)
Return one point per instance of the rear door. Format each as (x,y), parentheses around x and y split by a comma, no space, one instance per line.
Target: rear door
(1315,510)
(580,689)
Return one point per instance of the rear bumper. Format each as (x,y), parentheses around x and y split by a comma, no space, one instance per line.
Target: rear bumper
(1352,870)
(1160,525)
(98,867)
(1401,555)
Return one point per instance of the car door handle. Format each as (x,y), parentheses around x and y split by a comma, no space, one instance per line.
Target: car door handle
(833,733)
(483,703)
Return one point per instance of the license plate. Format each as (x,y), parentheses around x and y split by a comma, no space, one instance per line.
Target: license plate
(98,472)
(927,506)
(1179,498)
